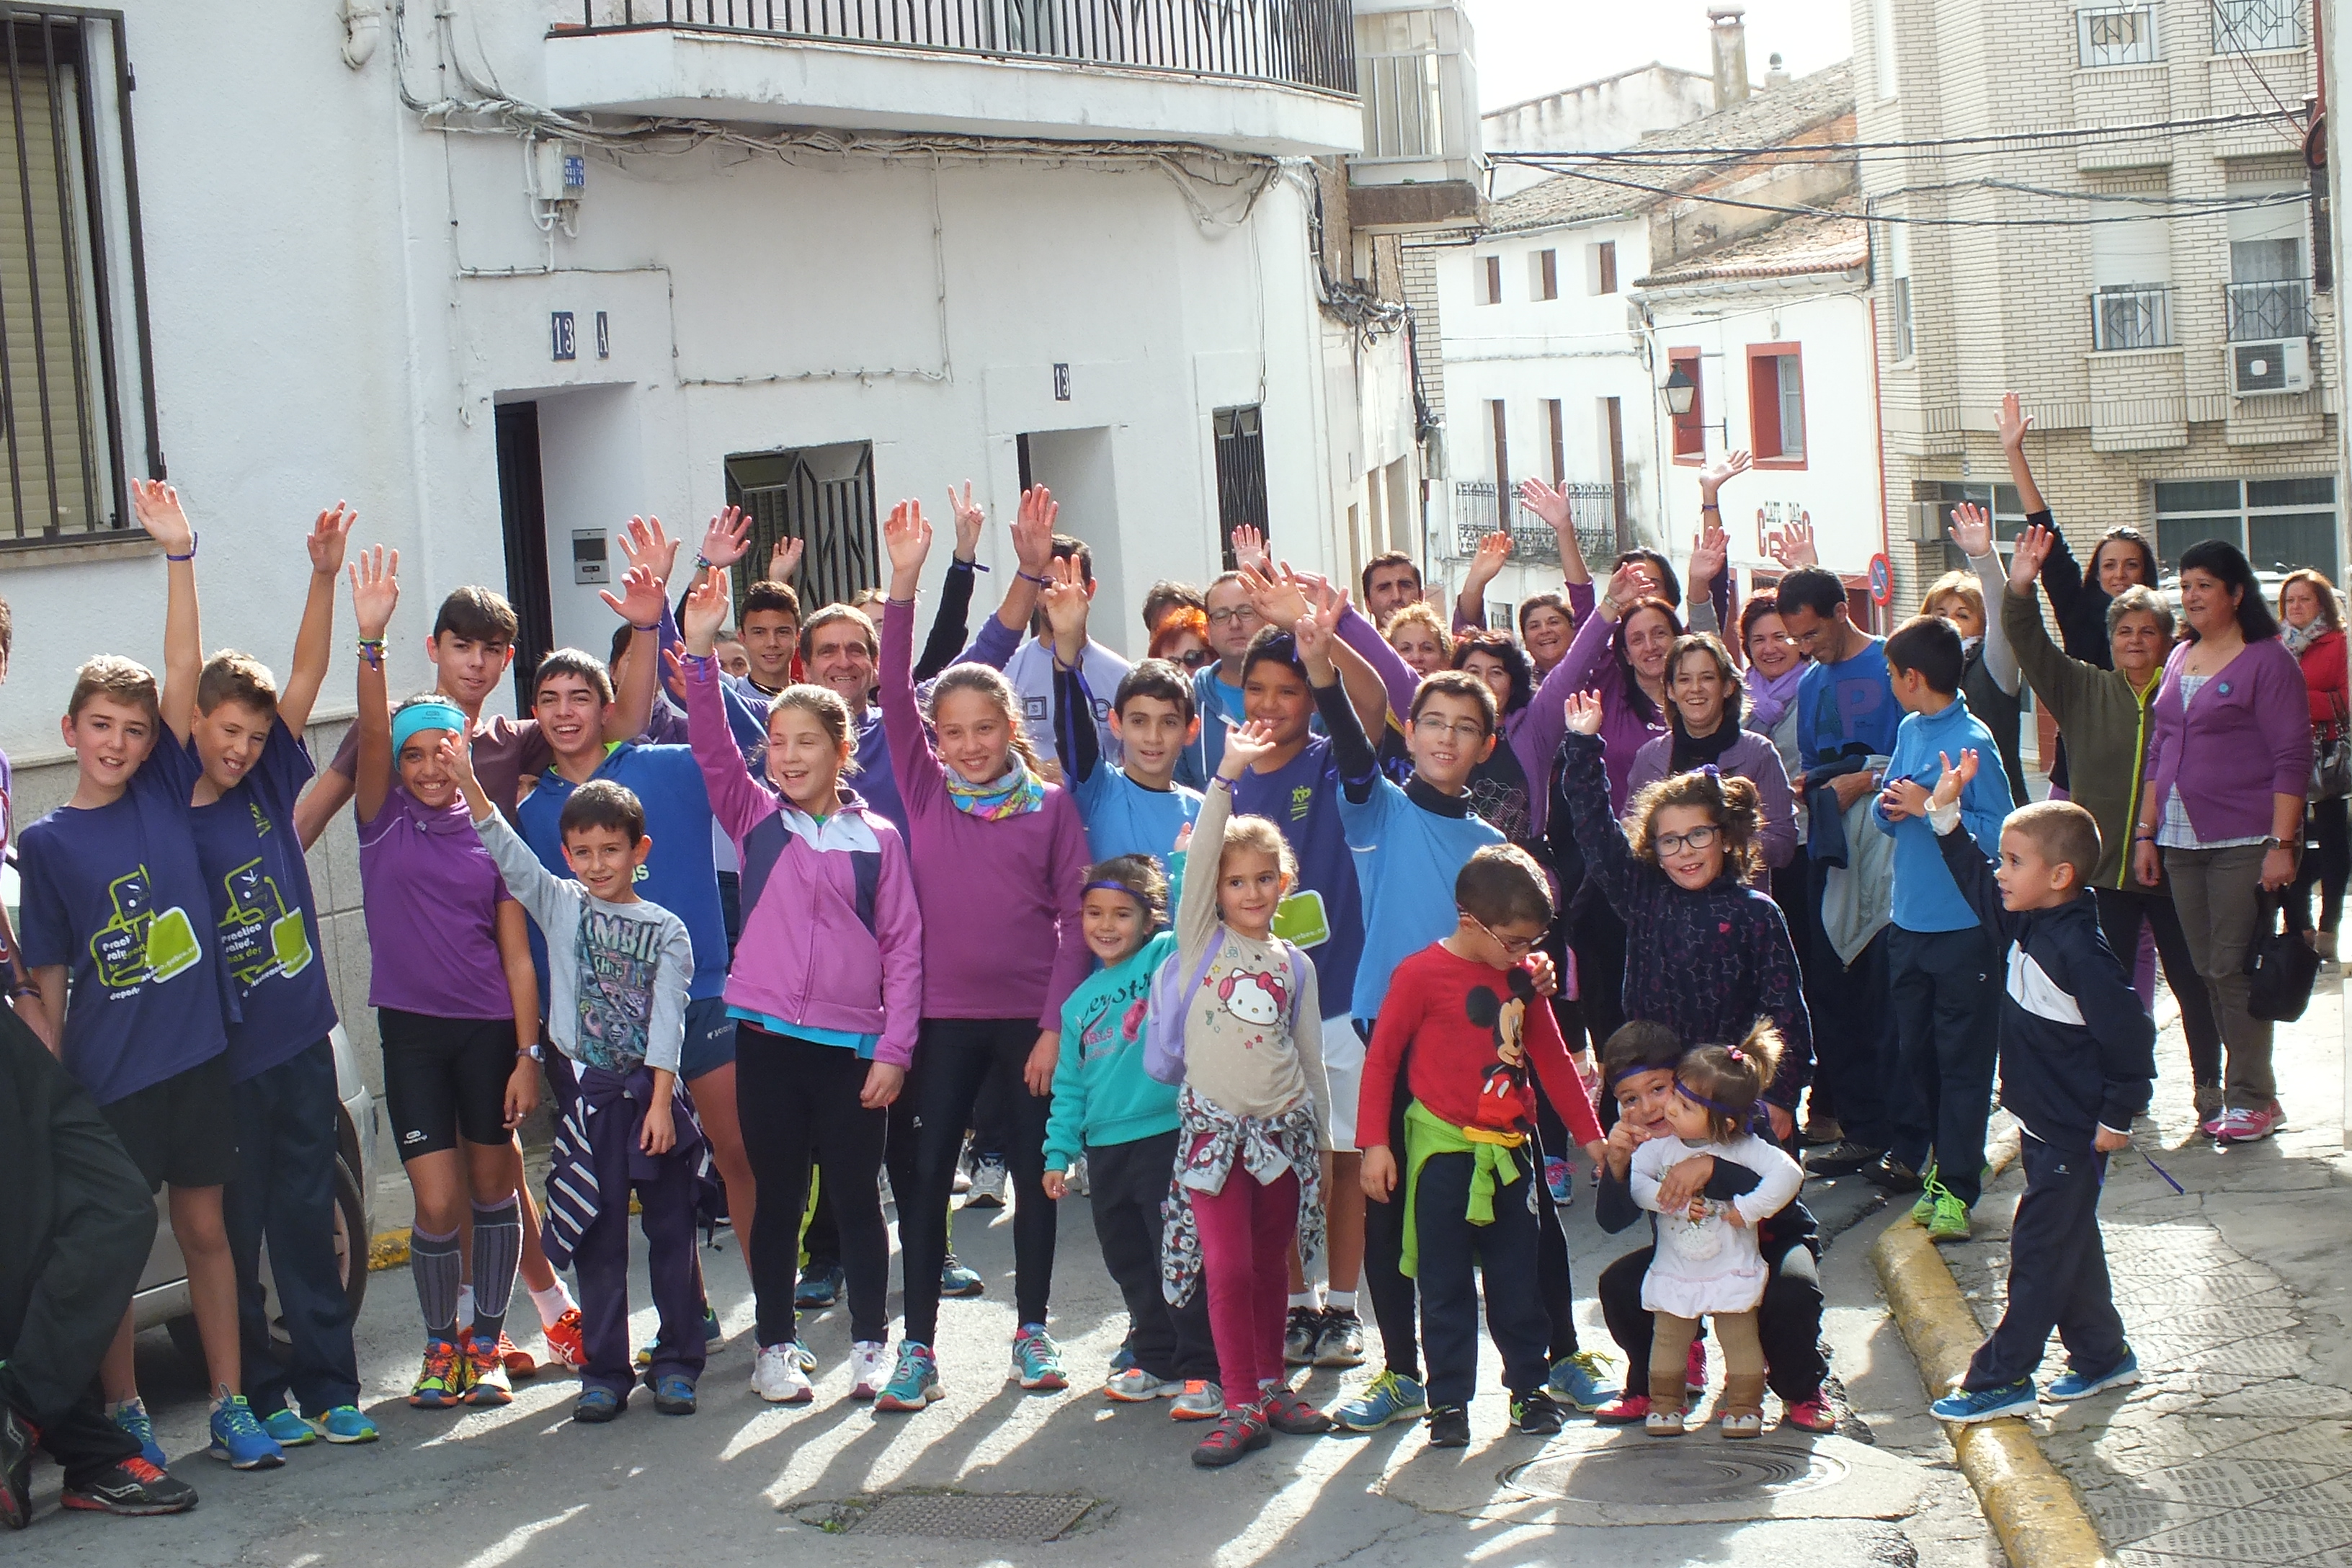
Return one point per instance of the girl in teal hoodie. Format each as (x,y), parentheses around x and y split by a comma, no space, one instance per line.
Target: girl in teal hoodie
(1124,1121)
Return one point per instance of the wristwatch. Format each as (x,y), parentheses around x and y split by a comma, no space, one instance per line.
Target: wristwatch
(2270,843)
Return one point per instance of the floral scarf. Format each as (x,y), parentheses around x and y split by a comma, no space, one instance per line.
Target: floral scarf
(2298,638)
(1015,794)
(1213,1145)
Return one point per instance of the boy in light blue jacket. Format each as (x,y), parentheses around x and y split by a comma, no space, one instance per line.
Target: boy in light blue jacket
(1941,965)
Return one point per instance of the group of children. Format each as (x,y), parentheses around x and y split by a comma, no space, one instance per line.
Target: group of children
(1296,1011)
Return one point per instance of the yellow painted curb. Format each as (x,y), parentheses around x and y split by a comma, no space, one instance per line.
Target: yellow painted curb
(388,1249)
(2030,1505)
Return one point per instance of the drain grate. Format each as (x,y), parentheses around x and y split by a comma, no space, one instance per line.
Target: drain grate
(1686,1472)
(970,1517)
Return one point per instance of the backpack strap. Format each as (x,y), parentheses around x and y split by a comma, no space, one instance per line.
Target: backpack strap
(1298,978)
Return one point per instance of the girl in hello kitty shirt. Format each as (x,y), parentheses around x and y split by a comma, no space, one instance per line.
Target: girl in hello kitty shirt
(1254,1115)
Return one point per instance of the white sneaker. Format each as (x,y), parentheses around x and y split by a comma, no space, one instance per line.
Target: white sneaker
(779,1377)
(1199,1401)
(987,1190)
(870,1368)
(1137,1387)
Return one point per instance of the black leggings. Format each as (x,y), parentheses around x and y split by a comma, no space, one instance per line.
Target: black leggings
(954,1058)
(1553,1279)
(798,1101)
(2329,865)
(2122,912)
(1788,1319)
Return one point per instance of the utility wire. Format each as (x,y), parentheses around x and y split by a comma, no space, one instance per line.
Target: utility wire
(2139,127)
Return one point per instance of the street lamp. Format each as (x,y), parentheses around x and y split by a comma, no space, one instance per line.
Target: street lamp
(1679,390)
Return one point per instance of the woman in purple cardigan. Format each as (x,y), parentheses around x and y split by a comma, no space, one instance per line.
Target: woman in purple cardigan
(2227,770)
(1703,684)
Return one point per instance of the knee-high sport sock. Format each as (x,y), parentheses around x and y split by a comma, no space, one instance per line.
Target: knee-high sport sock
(498,1249)
(433,1262)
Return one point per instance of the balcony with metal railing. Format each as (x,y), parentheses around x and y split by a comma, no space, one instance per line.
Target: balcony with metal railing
(2262,311)
(1597,510)
(1262,76)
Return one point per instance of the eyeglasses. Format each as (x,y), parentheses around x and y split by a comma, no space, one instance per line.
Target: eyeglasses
(1676,843)
(1431,727)
(1193,659)
(1512,946)
(1227,617)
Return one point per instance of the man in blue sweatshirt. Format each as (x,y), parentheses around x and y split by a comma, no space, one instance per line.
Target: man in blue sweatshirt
(1940,963)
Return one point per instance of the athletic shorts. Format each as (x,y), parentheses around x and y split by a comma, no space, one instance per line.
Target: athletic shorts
(180,1132)
(1343,1064)
(710,1038)
(444,1079)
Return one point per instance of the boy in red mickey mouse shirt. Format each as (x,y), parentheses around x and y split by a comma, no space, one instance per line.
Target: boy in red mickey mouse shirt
(1457,1021)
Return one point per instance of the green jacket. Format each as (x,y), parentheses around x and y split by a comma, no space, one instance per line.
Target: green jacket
(2105,724)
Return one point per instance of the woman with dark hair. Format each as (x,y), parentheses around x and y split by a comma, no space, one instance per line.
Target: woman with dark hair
(2078,600)
(2221,818)
(1547,626)
(2313,632)
(1702,712)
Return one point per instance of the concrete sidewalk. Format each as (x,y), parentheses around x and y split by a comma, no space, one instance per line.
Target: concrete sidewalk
(2237,1447)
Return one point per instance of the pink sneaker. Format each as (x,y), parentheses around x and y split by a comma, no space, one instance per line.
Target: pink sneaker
(1694,1370)
(1813,1415)
(2249,1126)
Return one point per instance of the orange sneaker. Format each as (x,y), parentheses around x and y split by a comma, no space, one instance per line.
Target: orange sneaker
(519,1363)
(564,1338)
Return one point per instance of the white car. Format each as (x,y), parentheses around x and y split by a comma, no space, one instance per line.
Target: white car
(163,1294)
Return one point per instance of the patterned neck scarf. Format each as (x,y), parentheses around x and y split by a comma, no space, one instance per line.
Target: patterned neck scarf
(1015,794)
(1769,696)
(2298,638)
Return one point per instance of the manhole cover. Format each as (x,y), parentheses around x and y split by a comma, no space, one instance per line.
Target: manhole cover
(963,1516)
(1686,1472)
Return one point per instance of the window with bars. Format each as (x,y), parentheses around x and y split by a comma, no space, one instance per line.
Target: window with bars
(2241,26)
(70,244)
(2115,36)
(1241,475)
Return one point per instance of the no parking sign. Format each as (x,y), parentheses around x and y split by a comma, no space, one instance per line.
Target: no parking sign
(1882,579)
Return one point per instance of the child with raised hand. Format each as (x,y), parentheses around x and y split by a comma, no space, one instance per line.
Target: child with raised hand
(827,990)
(457,1011)
(1705,953)
(999,866)
(1254,1113)
(1461,1021)
(1123,1120)
(1707,1262)
(618,972)
(2078,1063)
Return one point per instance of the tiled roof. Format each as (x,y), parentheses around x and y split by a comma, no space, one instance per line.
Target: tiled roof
(1796,248)
(1765,120)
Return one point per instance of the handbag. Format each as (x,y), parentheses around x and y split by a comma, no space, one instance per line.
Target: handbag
(2331,761)
(2280,969)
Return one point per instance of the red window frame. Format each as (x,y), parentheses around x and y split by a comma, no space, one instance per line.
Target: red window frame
(1764,404)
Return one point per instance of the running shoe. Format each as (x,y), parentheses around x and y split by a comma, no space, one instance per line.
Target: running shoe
(1342,1342)
(18,1439)
(447,1373)
(711,1333)
(1950,1220)
(564,1338)
(959,1280)
(1581,1381)
(1389,1397)
(133,1417)
(1137,1387)
(1891,1173)
(778,1377)
(519,1362)
(345,1424)
(1301,1331)
(1822,1131)
(1537,1415)
(988,1180)
(1037,1360)
(133,1486)
(1449,1427)
(870,1368)
(2243,1126)
(674,1395)
(597,1406)
(819,1287)
(1124,1357)
(1812,1415)
(238,1439)
(1559,1180)
(1965,1406)
(914,1382)
(1236,1433)
(1842,1158)
(1201,1401)
(1286,1413)
(2076,1384)
(486,1373)
(287,1429)
(1626,1410)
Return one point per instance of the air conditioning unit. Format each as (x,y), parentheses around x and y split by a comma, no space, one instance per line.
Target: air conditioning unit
(2264,370)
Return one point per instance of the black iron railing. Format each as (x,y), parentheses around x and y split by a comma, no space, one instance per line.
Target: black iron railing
(1594,508)
(2132,318)
(1305,43)
(2273,309)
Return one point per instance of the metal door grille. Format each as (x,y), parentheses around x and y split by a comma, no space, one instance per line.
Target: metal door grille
(1241,476)
(823,496)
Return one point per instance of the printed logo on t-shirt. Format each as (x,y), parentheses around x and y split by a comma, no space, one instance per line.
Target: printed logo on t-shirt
(1302,801)
(259,936)
(616,957)
(137,943)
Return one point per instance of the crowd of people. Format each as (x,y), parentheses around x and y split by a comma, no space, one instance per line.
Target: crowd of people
(1327,949)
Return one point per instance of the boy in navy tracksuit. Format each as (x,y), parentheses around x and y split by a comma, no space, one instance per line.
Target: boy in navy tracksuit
(2078,1063)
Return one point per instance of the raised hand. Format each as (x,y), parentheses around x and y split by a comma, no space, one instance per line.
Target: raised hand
(642,593)
(1710,548)
(1584,713)
(1956,777)
(1245,744)
(906,535)
(1326,603)
(1276,594)
(1033,530)
(328,538)
(1973,530)
(970,519)
(1494,550)
(1064,598)
(644,542)
(1632,581)
(1711,479)
(727,538)
(705,612)
(1903,797)
(157,506)
(1249,547)
(785,559)
(1792,546)
(2033,547)
(375,591)
(2012,423)
(1549,504)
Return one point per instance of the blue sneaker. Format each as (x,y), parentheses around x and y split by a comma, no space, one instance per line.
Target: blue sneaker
(596,1405)
(674,1396)
(819,1289)
(345,1424)
(239,1439)
(1387,1398)
(1037,1360)
(287,1429)
(914,1382)
(133,1417)
(710,1325)
(1581,1381)
(2073,1383)
(957,1280)
(1966,1406)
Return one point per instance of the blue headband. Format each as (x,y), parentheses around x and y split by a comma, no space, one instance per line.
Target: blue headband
(1737,1112)
(419,716)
